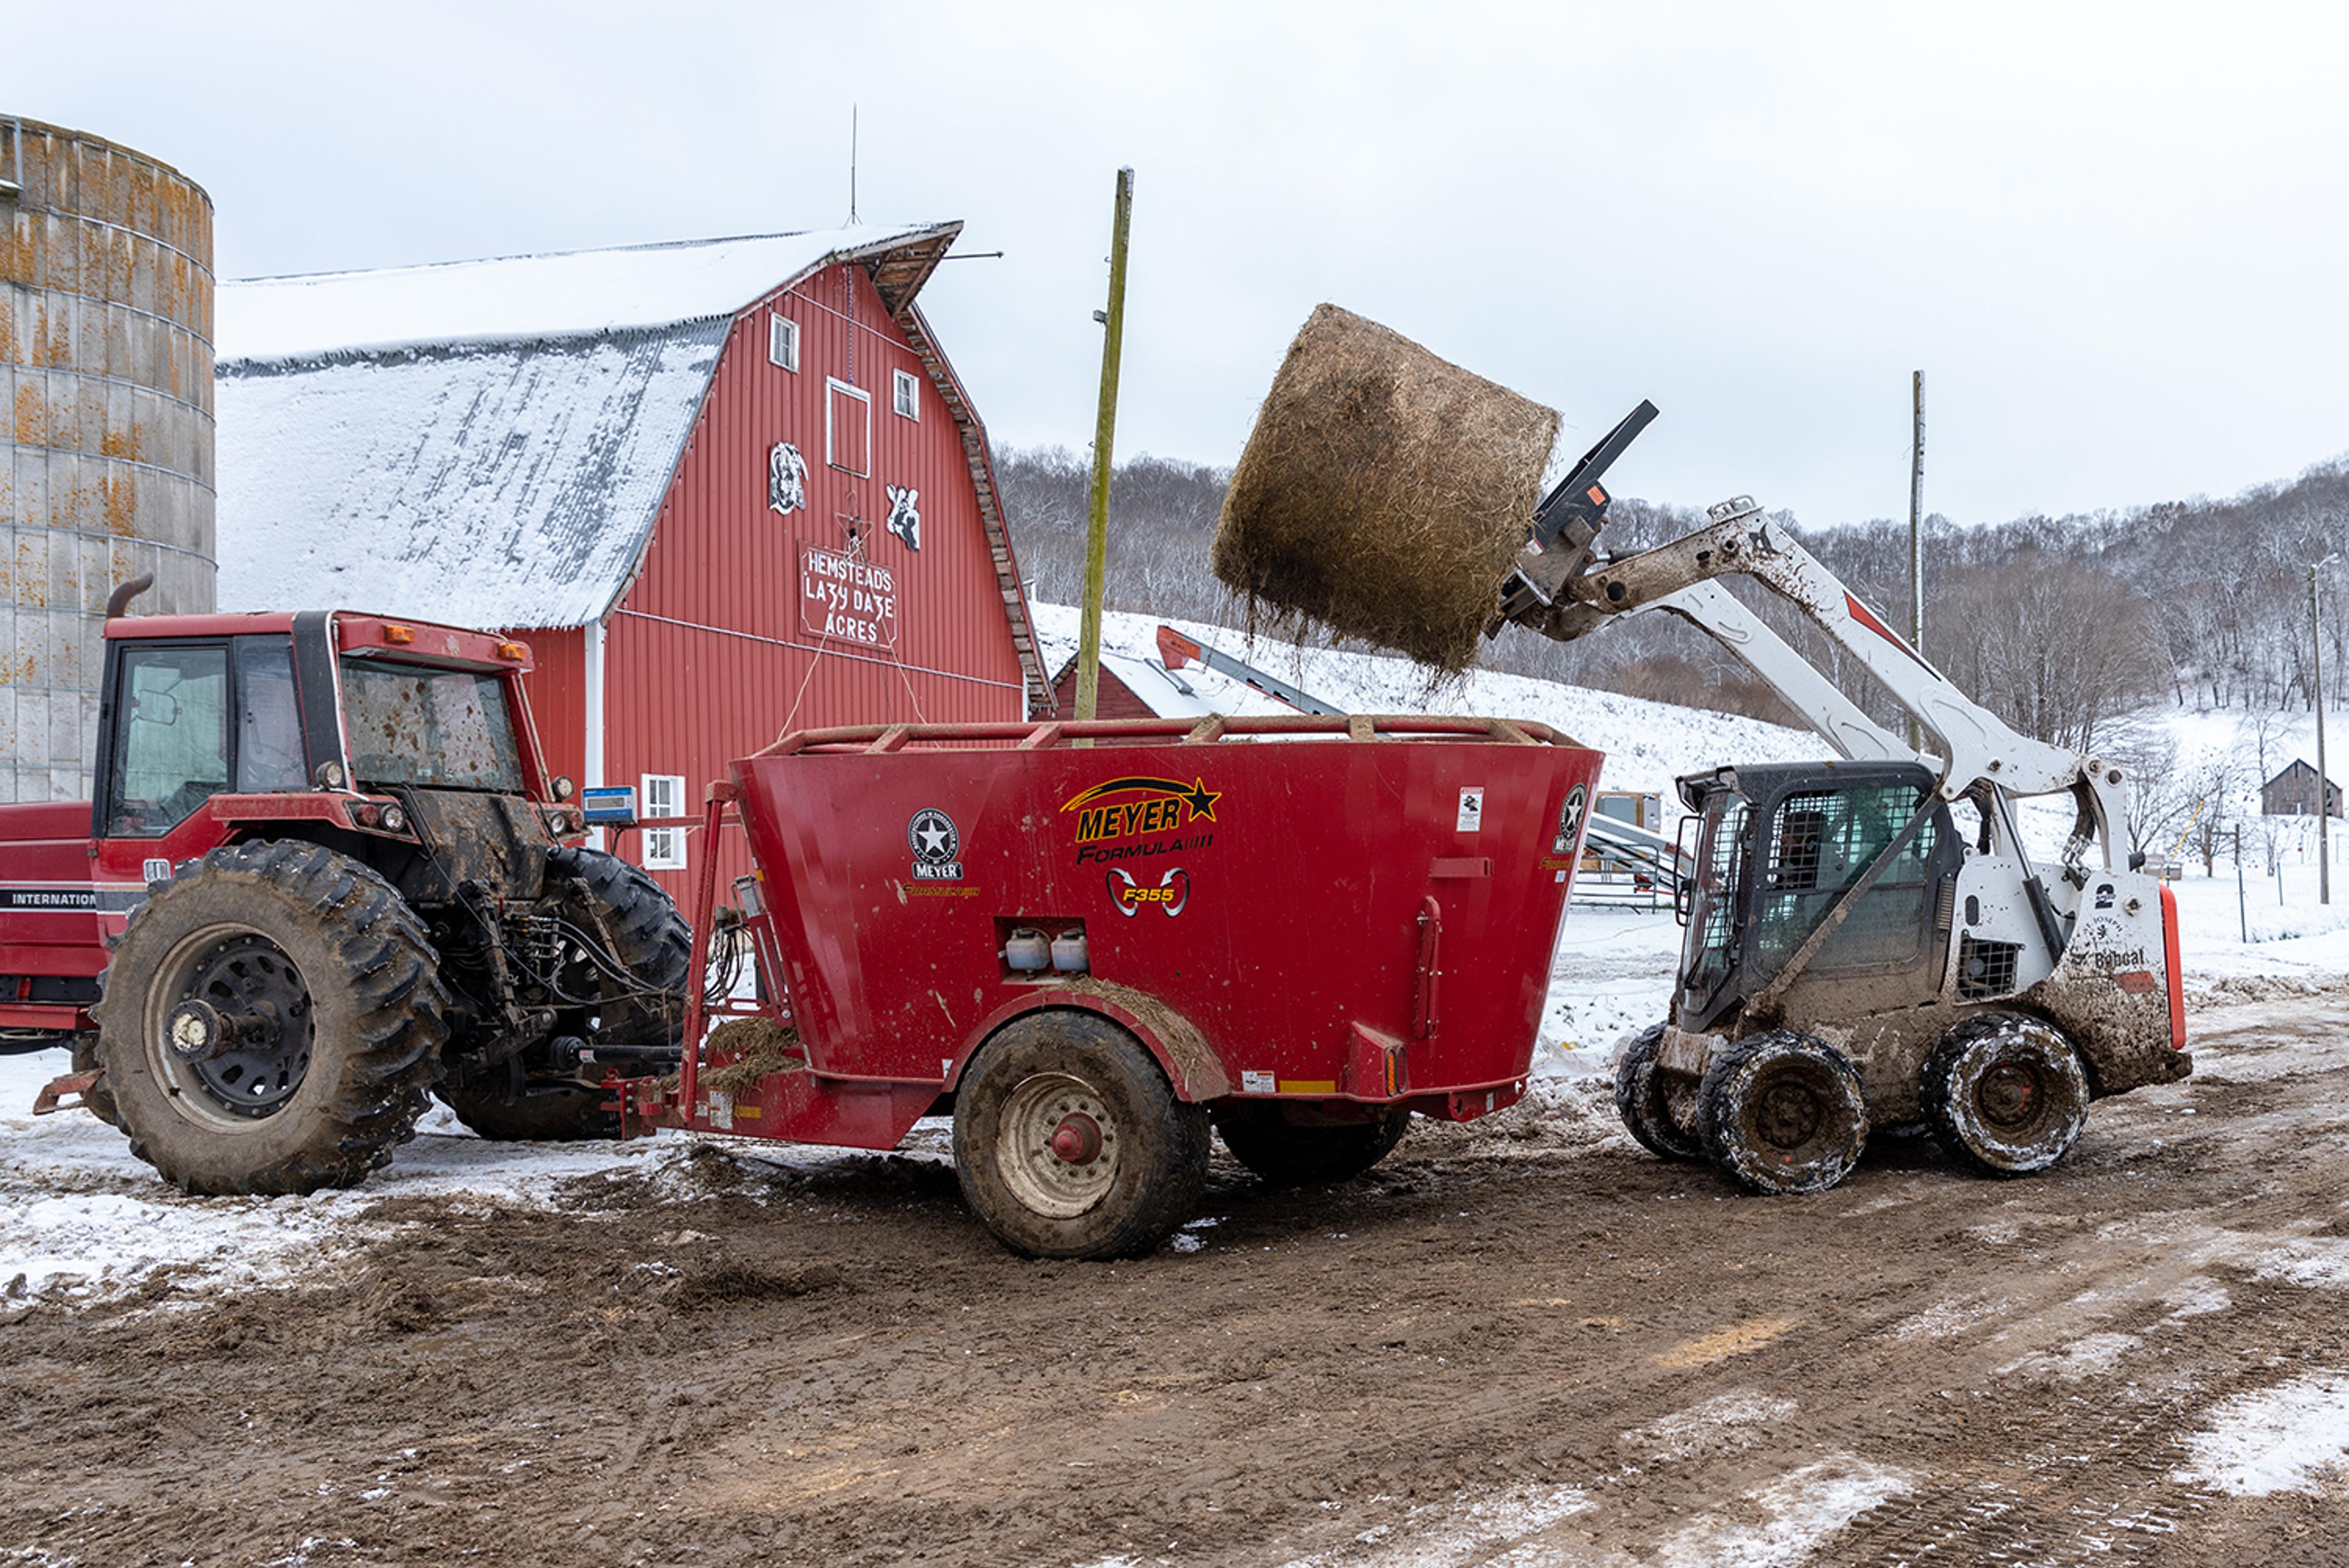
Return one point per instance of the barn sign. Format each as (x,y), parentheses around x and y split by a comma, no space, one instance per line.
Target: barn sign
(847,597)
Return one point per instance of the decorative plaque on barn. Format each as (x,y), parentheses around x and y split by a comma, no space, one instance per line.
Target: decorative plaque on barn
(847,597)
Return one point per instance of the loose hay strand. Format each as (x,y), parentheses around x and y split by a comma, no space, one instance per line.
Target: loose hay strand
(1384,491)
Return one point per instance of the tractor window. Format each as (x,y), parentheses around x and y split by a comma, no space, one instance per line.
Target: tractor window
(1821,844)
(171,752)
(268,724)
(448,728)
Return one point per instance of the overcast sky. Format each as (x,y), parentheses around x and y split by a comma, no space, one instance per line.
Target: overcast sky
(2113,236)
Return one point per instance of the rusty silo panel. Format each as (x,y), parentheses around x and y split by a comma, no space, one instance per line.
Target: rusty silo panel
(106,426)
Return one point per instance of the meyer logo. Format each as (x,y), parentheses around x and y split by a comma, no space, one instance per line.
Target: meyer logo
(1172,893)
(935,843)
(1570,823)
(1156,806)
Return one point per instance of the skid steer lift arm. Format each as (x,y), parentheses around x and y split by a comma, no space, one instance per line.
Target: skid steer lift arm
(1560,588)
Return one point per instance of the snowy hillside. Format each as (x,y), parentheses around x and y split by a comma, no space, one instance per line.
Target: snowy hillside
(1648,744)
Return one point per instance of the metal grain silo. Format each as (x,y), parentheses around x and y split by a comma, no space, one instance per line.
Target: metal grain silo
(106,426)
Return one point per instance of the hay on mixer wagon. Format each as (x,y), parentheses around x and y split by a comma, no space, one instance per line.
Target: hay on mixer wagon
(1384,492)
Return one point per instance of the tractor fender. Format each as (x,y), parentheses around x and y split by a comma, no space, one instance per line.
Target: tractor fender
(1190,1063)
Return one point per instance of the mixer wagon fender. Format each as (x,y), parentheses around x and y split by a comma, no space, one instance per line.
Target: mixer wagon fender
(1180,1050)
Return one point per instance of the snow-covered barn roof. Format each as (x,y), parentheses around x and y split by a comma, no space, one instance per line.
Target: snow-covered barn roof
(511,485)
(488,442)
(536,298)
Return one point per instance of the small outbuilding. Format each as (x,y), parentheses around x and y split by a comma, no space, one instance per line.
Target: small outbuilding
(2292,793)
(722,488)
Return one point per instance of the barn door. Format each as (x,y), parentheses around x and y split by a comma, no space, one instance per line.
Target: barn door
(848,428)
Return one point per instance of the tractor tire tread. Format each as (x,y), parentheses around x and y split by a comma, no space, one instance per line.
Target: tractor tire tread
(394,1030)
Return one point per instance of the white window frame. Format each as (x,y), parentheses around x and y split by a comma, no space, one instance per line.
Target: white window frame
(664,799)
(907,389)
(782,341)
(831,447)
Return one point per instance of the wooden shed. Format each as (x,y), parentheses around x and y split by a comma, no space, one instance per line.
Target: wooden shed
(722,488)
(2292,793)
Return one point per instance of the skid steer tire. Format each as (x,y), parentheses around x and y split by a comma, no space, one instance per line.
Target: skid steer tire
(1130,1158)
(1640,1100)
(1287,1154)
(270,1021)
(650,939)
(2005,1093)
(1782,1112)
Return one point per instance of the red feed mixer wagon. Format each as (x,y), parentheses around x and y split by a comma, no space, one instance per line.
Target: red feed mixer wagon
(1092,942)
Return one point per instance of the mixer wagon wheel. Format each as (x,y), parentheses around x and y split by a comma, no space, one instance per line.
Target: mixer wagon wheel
(1782,1111)
(270,1021)
(1640,1100)
(2005,1091)
(606,897)
(1069,1143)
(1289,1153)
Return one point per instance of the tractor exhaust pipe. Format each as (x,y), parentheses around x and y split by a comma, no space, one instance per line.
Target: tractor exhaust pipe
(118,603)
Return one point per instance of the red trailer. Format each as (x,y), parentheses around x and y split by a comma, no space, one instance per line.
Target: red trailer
(1088,942)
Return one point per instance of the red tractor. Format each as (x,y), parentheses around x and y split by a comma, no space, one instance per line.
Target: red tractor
(327,875)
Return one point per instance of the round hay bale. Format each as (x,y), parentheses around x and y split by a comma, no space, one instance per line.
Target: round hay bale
(1384,492)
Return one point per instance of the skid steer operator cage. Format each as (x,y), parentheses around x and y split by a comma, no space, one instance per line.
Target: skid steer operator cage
(1780,848)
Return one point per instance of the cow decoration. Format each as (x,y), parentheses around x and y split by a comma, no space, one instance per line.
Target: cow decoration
(786,479)
(906,515)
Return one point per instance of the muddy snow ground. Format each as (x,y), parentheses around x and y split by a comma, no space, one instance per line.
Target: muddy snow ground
(1522,1340)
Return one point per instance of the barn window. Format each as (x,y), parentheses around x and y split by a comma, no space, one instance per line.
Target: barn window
(664,846)
(847,427)
(783,341)
(909,395)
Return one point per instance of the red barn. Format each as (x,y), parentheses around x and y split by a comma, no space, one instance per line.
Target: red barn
(722,488)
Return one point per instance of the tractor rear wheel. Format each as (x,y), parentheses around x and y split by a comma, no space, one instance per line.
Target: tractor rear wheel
(605,897)
(2005,1091)
(1288,1152)
(1069,1142)
(1640,1100)
(270,1021)
(1784,1113)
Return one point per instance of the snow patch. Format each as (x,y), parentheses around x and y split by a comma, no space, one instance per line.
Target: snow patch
(2082,1358)
(1726,1424)
(1799,1511)
(1487,1529)
(2291,1438)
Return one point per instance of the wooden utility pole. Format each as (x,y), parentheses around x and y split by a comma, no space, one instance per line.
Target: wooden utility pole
(1917,534)
(1104,434)
(2324,780)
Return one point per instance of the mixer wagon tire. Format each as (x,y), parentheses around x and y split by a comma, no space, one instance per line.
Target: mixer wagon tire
(270,1021)
(1069,1141)
(1640,1100)
(1782,1112)
(2005,1093)
(1288,1154)
(650,940)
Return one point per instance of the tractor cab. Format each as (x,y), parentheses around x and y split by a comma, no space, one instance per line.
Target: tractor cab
(196,707)
(1776,849)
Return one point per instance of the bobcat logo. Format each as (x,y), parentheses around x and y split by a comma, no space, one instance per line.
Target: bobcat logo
(786,479)
(906,515)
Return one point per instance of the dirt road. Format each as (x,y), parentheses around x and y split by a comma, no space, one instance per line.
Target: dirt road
(1523,1344)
